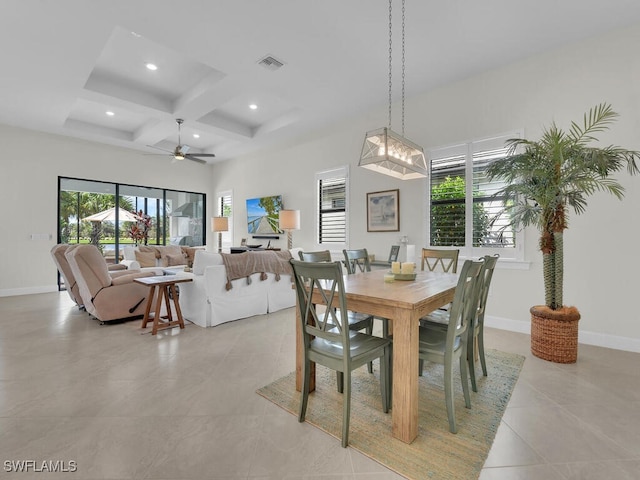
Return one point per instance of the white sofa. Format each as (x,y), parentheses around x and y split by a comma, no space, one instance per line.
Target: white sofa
(207,302)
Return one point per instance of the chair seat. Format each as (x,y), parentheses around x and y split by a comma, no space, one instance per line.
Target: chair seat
(433,340)
(439,317)
(361,348)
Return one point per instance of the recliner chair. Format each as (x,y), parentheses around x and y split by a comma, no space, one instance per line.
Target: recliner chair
(104,296)
(58,253)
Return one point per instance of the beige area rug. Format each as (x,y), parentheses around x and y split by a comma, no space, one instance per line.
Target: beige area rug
(436,453)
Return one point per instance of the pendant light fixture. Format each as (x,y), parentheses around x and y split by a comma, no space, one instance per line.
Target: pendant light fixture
(385,151)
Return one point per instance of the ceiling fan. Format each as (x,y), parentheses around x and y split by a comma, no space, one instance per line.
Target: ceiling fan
(181,151)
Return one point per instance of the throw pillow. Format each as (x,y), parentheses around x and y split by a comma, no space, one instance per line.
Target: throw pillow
(175,260)
(190,252)
(169,250)
(146,259)
(147,249)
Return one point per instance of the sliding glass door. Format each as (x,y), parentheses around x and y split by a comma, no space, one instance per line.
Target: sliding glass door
(112,215)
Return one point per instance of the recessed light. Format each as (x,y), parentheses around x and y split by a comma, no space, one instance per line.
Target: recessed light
(151,66)
(110,113)
(195,135)
(253,106)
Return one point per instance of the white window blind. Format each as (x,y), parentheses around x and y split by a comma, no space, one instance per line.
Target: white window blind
(332,200)
(225,209)
(462,210)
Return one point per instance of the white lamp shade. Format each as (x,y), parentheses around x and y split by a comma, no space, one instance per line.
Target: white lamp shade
(220,224)
(289,219)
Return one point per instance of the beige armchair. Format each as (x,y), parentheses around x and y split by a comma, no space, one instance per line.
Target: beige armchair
(106,295)
(58,253)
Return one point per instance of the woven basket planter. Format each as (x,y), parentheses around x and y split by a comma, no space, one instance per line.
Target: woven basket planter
(554,334)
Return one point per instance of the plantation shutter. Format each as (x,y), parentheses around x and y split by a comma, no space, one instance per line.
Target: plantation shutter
(463,211)
(332,211)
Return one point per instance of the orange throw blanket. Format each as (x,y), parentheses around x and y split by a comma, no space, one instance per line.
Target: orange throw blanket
(239,265)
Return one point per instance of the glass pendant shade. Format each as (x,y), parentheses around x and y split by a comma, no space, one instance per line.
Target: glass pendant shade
(384,151)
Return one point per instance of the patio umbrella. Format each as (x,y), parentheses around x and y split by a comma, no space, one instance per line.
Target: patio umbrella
(110,215)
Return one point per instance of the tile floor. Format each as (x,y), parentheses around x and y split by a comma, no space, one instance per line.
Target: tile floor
(181,405)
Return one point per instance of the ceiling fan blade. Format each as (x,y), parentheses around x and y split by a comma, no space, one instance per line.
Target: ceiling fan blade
(193,158)
(158,148)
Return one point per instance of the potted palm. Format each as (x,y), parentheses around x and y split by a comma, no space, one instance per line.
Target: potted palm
(545,179)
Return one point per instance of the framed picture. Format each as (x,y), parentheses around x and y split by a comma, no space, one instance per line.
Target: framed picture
(393,254)
(243,243)
(383,211)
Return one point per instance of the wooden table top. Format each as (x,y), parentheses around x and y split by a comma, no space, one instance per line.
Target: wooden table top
(161,280)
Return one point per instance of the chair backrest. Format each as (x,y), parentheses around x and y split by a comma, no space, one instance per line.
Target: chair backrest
(325,279)
(90,270)
(447,259)
(320,256)
(490,262)
(465,301)
(356,260)
(58,253)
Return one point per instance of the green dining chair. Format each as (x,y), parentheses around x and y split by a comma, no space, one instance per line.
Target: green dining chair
(357,260)
(357,321)
(328,341)
(438,258)
(476,332)
(445,346)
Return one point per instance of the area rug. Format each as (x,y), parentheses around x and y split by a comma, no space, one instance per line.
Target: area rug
(436,453)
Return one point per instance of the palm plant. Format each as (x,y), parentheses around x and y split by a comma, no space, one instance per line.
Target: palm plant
(547,177)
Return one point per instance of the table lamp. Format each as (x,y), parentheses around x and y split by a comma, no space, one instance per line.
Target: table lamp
(289,220)
(220,224)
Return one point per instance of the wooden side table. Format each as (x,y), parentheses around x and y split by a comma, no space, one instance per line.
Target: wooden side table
(166,286)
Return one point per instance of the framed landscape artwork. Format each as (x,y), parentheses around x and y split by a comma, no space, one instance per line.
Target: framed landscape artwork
(383,211)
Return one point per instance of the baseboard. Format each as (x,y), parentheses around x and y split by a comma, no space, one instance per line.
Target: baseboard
(12,292)
(587,338)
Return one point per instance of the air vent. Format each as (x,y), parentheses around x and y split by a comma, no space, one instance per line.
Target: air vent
(270,63)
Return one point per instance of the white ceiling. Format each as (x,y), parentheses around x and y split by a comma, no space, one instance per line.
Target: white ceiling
(64,63)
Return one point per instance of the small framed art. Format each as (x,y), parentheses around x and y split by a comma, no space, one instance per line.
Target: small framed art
(383,211)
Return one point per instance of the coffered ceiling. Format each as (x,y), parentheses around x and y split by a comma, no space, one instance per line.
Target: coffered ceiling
(65,63)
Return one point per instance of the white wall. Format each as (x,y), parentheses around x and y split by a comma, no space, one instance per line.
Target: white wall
(560,86)
(29,168)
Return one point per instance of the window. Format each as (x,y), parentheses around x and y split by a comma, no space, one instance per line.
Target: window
(112,215)
(332,200)
(225,209)
(463,212)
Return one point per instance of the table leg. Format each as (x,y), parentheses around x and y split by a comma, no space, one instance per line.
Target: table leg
(147,310)
(174,295)
(156,317)
(405,376)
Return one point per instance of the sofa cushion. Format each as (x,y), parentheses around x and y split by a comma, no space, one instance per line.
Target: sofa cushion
(146,259)
(175,260)
(170,250)
(149,249)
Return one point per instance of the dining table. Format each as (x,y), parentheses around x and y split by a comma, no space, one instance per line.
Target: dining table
(403,303)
